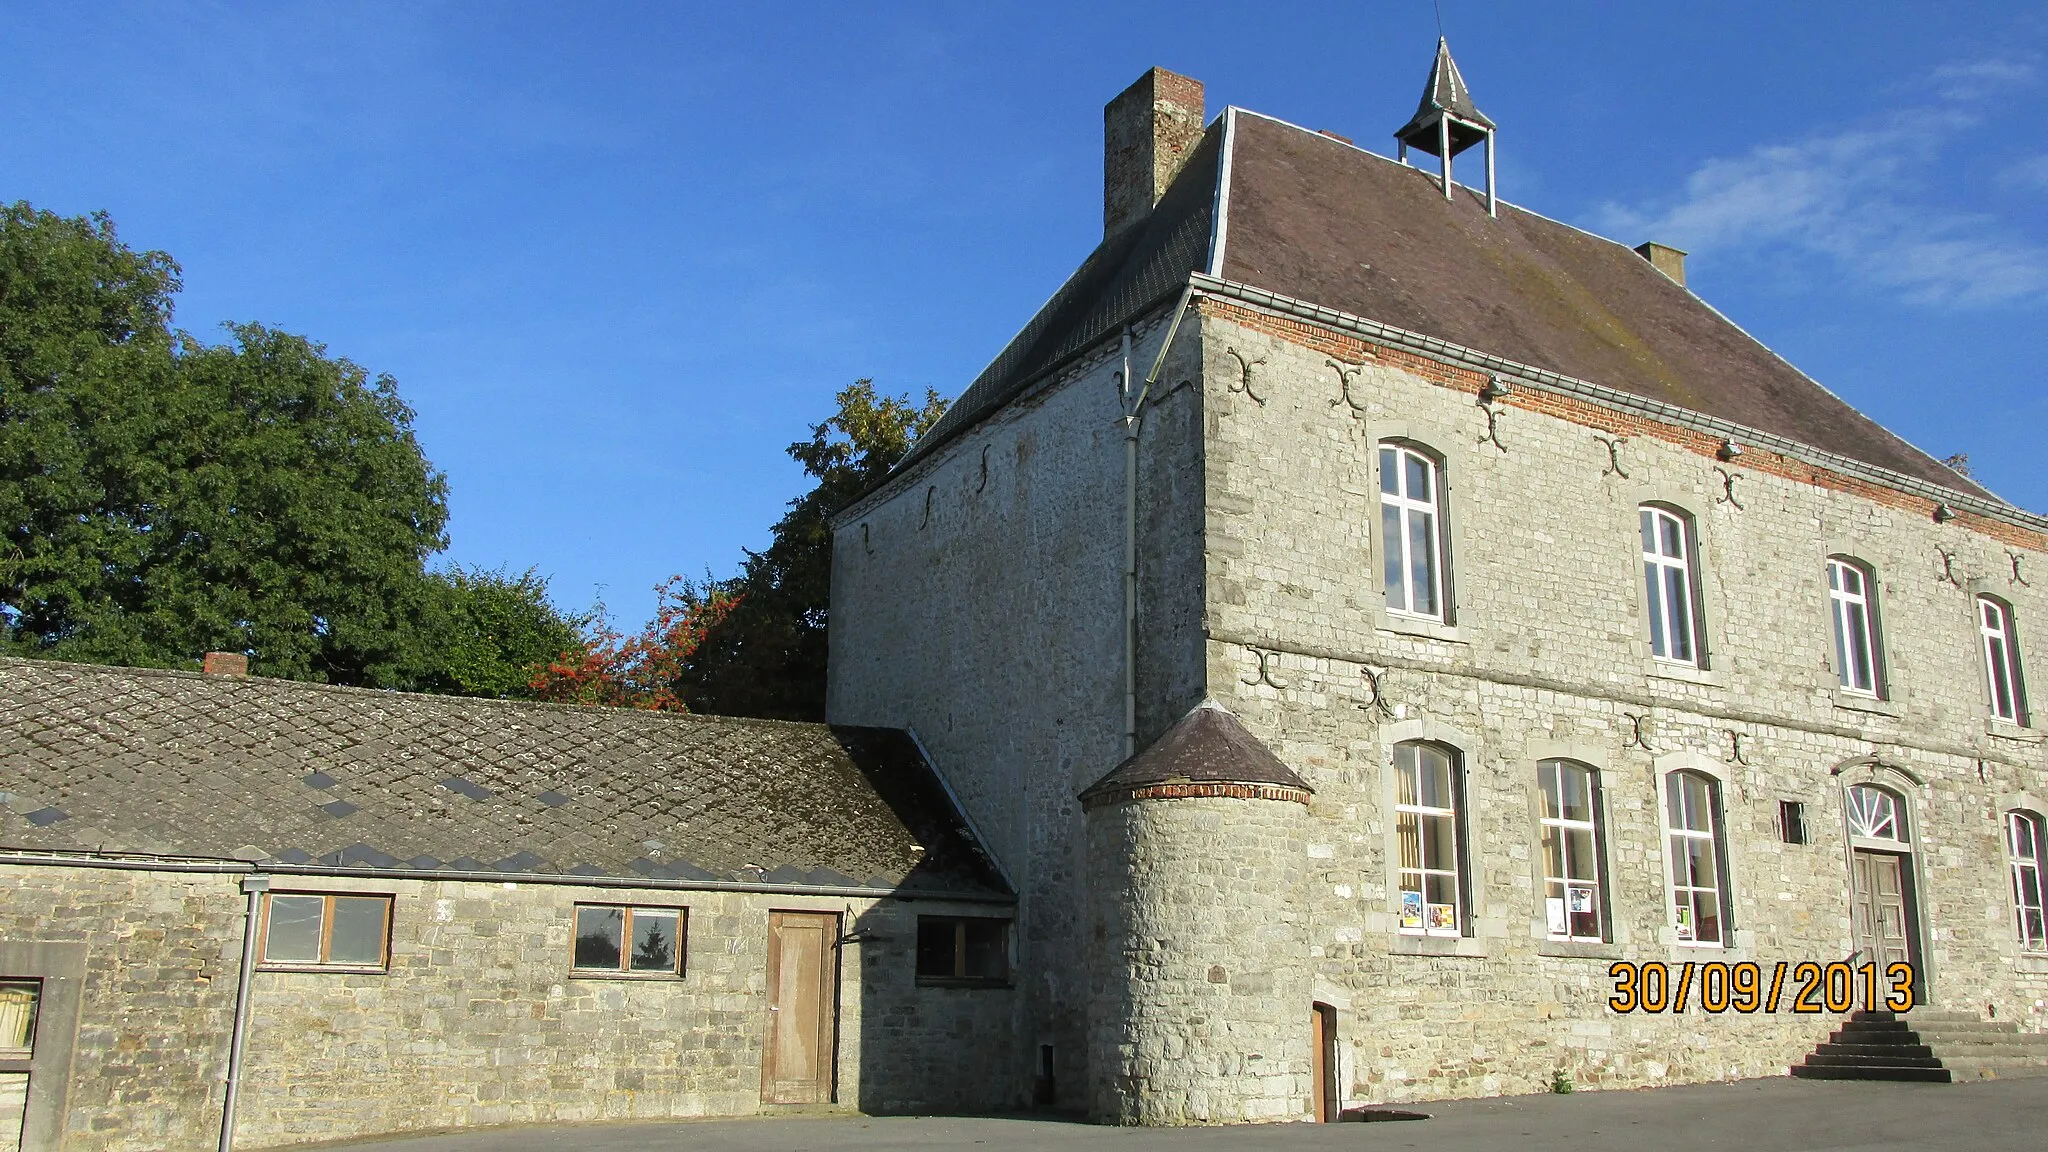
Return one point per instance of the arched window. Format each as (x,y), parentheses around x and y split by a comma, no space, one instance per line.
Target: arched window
(1574,896)
(2026,849)
(1699,877)
(1852,599)
(1411,531)
(1670,585)
(2001,659)
(1429,829)
(1875,814)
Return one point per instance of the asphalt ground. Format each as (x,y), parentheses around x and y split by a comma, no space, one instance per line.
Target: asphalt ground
(1777,1115)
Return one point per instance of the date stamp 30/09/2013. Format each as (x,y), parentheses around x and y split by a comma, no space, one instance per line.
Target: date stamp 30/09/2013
(1654,986)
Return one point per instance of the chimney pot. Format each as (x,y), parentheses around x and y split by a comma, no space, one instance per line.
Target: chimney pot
(1664,258)
(1147,133)
(225,664)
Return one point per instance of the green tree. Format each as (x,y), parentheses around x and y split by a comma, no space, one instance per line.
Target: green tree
(161,497)
(486,633)
(766,655)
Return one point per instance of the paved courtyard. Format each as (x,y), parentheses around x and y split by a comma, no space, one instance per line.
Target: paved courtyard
(1752,1116)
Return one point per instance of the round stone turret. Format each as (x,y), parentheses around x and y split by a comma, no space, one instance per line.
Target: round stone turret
(1199,1007)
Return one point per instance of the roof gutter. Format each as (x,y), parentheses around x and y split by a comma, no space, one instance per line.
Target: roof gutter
(169,864)
(1544,380)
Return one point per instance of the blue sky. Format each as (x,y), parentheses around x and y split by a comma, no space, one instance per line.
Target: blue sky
(618,256)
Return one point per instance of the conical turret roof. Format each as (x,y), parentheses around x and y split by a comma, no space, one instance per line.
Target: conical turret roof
(1445,95)
(1208,746)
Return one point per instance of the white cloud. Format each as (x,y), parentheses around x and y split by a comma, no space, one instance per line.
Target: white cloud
(1849,197)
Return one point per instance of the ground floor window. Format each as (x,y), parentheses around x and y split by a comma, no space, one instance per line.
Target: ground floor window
(1692,813)
(2025,848)
(1428,816)
(619,939)
(1571,850)
(963,950)
(326,930)
(18,1000)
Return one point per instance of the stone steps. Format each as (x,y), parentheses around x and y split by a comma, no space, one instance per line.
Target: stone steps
(1928,1045)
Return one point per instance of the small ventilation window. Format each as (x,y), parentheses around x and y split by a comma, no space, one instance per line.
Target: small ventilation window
(1792,822)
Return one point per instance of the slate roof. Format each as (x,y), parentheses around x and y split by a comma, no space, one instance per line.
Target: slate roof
(1313,218)
(1443,93)
(1207,746)
(128,761)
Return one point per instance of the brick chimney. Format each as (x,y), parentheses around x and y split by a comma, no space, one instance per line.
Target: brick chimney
(225,664)
(1147,133)
(1664,258)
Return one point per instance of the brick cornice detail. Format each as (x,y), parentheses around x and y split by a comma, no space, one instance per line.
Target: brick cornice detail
(1755,458)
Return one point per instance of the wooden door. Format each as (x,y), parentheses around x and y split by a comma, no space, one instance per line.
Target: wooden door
(1324,1063)
(803,1008)
(1882,930)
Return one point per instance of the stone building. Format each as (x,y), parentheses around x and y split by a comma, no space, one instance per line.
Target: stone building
(1360,611)
(373,912)
(1350,618)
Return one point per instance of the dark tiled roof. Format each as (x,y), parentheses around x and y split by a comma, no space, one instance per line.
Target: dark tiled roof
(1124,277)
(1320,221)
(1313,218)
(1206,746)
(177,764)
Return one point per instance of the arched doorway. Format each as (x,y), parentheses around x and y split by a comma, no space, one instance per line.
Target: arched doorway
(1884,906)
(1324,1080)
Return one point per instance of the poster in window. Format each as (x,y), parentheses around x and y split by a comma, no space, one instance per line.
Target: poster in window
(1443,916)
(1411,909)
(1582,901)
(1553,910)
(1684,922)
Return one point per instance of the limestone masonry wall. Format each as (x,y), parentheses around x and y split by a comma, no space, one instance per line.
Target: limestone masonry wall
(979,600)
(1546,655)
(479,1019)
(1200,992)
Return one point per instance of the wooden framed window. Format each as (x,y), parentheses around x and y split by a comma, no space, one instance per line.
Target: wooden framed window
(2001,660)
(1428,829)
(1574,895)
(963,950)
(19,1000)
(1852,600)
(1699,874)
(1670,587)
(615,939)
(1411,532)
(326,930)
(2027,851)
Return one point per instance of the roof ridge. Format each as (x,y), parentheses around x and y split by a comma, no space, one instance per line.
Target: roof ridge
(287,684)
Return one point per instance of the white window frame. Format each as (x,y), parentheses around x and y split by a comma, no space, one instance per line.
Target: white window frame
(1588,876)
(1852,606)
(2026,846)
(1404,510)
(1875,814)
(1410,846)
(1663,571)
(2001,660)
(1678,830)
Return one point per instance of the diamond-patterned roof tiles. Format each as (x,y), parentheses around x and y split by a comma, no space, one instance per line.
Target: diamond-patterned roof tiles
(177,763)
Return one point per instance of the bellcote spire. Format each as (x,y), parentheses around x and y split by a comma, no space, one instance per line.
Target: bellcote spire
(1447,122)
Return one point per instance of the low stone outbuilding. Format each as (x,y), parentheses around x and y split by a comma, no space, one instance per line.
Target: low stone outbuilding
(374,912)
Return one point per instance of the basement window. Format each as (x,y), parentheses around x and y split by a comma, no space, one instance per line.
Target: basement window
(624,941)
(326,930)
(963,951)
